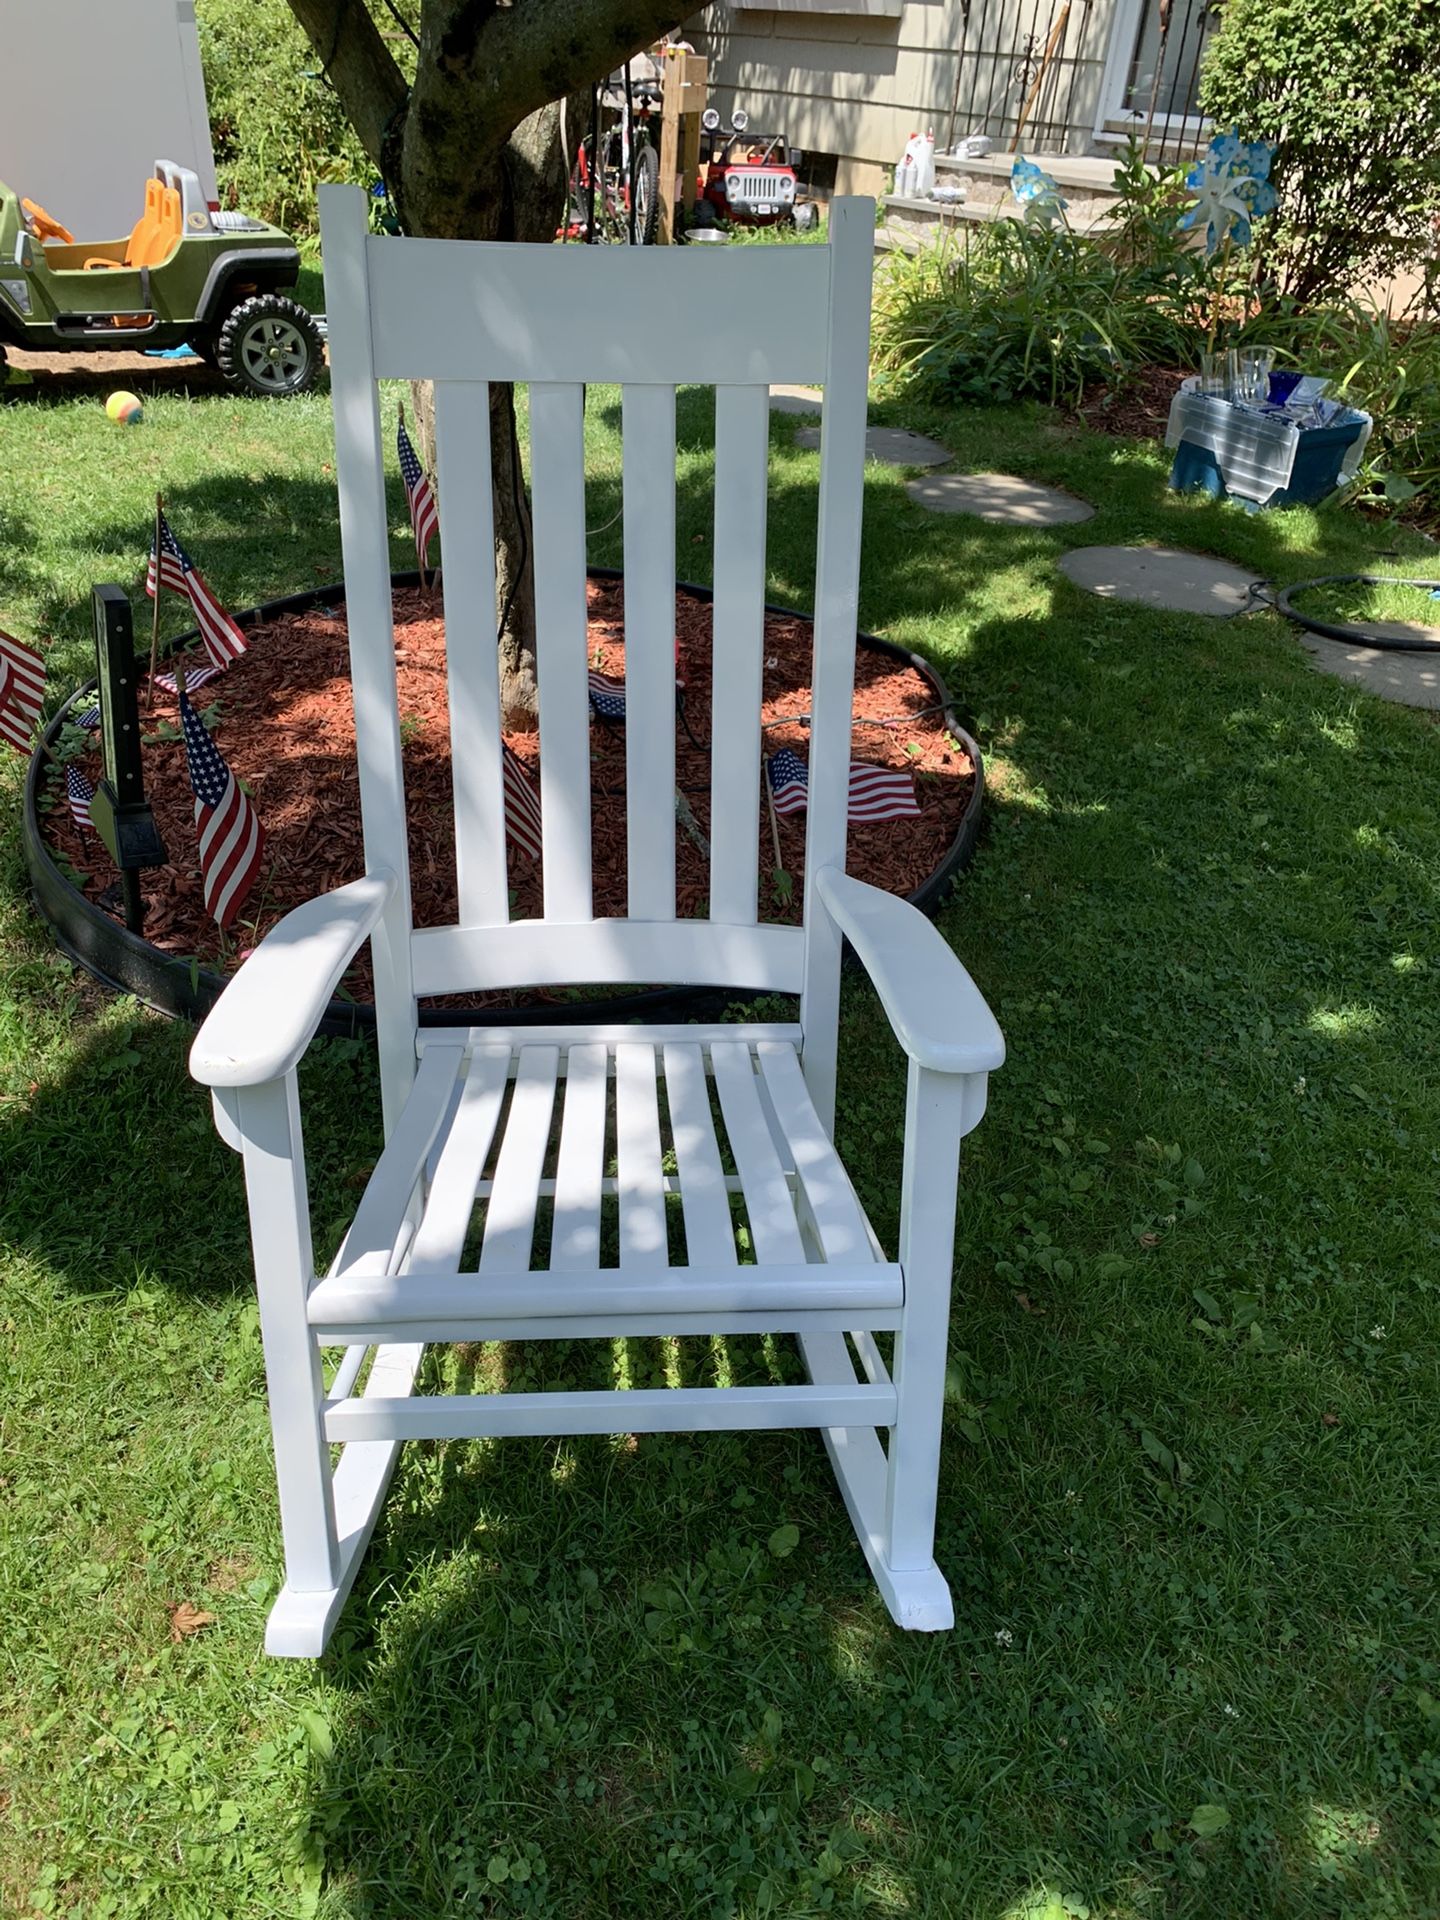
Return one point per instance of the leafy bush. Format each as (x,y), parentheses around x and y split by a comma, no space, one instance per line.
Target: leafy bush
(1015,309)
(277,128)
(1348,91)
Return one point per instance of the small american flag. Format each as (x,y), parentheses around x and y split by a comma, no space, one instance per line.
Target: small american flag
(175,569)
(194,677)
(876,793)
(89,718)
(522,805)
(424,518)
(607,697)
(79,792)
(22,687)
(232,840)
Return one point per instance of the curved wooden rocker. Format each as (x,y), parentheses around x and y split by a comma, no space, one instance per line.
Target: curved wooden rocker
(563,1129)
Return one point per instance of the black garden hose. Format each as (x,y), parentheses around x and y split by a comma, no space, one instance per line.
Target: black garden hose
(1355,636)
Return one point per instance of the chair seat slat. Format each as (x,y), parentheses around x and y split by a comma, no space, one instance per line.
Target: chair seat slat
(372,1245)
(580,1169)
(833,1206)
(767,1195)
(637,1149)
(441,1233)
(510,1209)
(709,1232)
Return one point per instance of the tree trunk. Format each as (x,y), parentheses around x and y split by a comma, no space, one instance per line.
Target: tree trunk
(525,202)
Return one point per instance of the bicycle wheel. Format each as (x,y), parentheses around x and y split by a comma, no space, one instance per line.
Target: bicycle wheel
(645,185)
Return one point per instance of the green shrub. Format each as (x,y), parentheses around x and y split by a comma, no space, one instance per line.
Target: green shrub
(1014,310)
(1348,92)
(277,128)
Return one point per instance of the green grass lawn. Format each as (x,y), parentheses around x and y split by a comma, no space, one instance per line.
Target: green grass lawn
(1188,1503)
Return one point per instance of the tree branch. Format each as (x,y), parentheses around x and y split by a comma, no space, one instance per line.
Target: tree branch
(359,66)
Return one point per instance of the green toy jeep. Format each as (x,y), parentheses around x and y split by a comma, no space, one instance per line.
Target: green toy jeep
(184,274)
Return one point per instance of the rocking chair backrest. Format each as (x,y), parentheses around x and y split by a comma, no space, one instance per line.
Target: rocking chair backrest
(465,314)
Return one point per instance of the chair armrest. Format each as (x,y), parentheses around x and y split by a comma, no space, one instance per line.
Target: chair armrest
(938,1013)
(267,1016)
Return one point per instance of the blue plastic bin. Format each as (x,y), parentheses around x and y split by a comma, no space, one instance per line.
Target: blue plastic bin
(1316,473)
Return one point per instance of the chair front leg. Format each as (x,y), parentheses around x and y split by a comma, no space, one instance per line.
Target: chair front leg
(937,1106)
(267,1119)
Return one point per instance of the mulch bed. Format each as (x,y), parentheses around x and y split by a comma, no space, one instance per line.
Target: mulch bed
(1136,408)
(284,724)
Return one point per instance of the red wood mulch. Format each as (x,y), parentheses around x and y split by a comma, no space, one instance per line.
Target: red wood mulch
(285,727)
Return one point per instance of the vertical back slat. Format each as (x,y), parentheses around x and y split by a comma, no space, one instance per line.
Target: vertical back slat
(360,474)
(742,451)
(557,456)
(462,445)
(837,594)
(649,436)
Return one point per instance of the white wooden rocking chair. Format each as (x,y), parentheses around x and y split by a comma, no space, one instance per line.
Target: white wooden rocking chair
(458,1101)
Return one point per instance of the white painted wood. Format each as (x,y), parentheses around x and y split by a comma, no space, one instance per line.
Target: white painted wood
(918,1599)
(704,1199)
(400,1305)
(510,1209)
(648,416)
(580,1166)
(839,1223)
(365,546)
(934,1114)
(768,1203)
(225,1107)
(742,452)
(381,1225)
(557,464)
(640,1410)
(603,1323)
(284,1270)
(267,1015)
(939,1015)
(472,669)
(837,590)
(643,1241)
(663,315)
(542,953)
(441,1233)
(299,1624)
(657,1034)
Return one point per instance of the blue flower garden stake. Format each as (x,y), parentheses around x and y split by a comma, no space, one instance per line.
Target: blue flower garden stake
(1231,185)
(1037,193)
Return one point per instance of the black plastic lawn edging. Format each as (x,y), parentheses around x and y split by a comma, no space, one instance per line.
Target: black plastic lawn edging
(185,990)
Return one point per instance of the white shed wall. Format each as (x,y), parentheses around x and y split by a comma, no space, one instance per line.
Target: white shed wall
(94,92)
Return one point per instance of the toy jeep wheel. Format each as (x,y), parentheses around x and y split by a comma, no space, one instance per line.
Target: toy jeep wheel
(270,347)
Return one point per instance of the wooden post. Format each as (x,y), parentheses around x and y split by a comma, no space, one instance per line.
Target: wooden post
(681,103)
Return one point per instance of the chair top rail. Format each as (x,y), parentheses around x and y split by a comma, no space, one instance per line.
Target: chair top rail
(445,310)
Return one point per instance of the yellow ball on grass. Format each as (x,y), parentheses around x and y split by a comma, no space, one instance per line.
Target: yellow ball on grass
(124,409)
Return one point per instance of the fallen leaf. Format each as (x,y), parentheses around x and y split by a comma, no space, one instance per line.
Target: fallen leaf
(1149,1239)
(1026,1304)
(186,1619)
(1328,1419)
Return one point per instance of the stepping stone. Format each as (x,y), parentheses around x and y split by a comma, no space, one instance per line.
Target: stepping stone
(1409,679)
(893,445)
(1000,497)
(795,399)
(1160,577)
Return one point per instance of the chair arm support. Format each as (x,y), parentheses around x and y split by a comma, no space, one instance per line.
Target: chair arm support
(938,1013)
(267,1016)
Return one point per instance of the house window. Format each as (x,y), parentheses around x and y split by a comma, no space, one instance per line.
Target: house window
(1169,44)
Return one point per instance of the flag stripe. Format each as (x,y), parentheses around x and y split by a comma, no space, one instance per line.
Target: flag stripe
(22,690)
(876,793)
(522,806)
(223,640)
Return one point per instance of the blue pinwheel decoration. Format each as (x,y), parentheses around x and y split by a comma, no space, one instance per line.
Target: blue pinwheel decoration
(1037,192)
(1231,185)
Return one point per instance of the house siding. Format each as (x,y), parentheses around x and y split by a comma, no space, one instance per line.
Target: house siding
(858,84)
